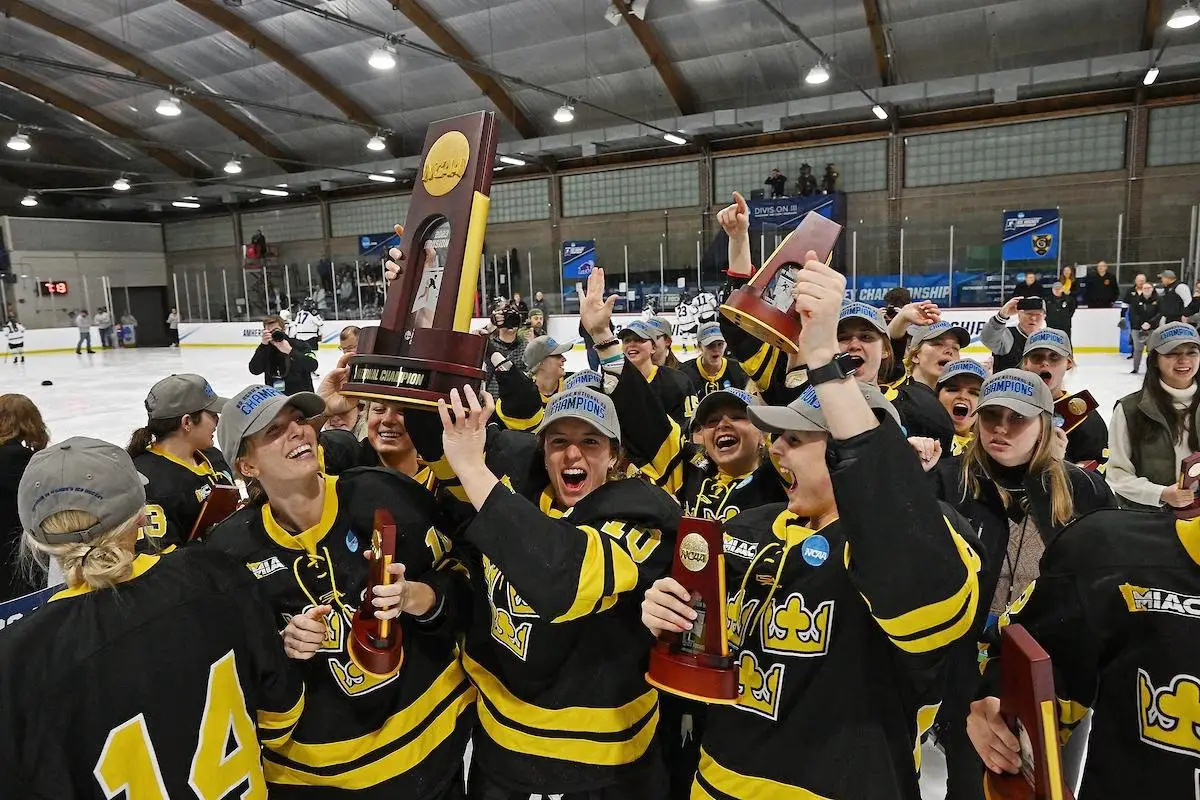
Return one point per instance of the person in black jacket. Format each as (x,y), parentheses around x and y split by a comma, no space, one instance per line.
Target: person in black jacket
(1144,317)
(1174,298)
(1060,308)
(22,433)
(1100,289)
(286,364)
(1050,355)
(1131,294)
(1030,287)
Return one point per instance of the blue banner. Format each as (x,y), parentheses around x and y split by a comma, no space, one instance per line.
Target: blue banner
(15,609)
(377,244)
(578,258)
(1030,235)
(786,212)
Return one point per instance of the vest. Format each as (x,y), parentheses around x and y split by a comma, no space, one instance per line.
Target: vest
(1153,456)
(1015,354)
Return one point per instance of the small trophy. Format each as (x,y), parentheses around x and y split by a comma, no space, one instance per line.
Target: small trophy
(423,347)
(220,503)
(1029,706)
(763,307)
(696,664)
(1072,409)
(1189,478)
(376,645)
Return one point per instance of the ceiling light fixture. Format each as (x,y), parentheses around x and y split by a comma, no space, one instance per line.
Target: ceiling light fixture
(381,178)
(184,204)
(169,107)
(384,58)
(818,74)
(512,162)
(19,142)
(376,142)
(121,185)
(29,200)
(191,197)
(674,138)
(273,192)
(879,111)
(564,114)
(233,167)
(1184,17)
(1150,77)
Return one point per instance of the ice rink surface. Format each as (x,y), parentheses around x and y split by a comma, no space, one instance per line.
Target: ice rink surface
(101,395)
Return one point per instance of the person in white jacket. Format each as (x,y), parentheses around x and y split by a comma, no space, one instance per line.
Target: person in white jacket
(15,333)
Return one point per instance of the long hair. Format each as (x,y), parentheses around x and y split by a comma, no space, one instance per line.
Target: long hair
(155,430)
(21,420)
(886,363)
(1177,421)
(99,563)
(977,467)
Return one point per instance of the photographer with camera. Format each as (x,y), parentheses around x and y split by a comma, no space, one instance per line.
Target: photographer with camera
(285,364)
(503,339)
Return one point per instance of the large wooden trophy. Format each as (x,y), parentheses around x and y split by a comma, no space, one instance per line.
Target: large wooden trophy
(1189,478)
(763,307)
(377,645)
(697,664)
(422,347)
(1029,706)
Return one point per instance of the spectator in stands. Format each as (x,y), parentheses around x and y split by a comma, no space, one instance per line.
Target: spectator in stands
(1067,278)
(345,290)
(259,242)
(1144,318)
(22,433)
(85,332)
(1030,287)
(1100,289)
(539,302)
(1008,343)
(778,183)
(104,324)
(520,306)
(1060,307)
(504,345)
(536,326)
(348,339)
(285,364)
(173,328)
(325,273)
(1133,292)
(1175,297)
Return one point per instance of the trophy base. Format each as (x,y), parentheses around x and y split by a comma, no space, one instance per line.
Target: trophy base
(372,660)
(689,676)
(762,320)
(1015,787)
(435,363)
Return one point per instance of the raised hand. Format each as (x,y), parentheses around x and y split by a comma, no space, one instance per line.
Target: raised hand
(818,298)
(393,268)
(595,312)
(735,217)
(332,384)
(464,436)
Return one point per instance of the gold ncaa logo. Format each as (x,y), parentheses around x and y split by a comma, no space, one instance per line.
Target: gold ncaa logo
(446,163)
(693,552)
(1077,406)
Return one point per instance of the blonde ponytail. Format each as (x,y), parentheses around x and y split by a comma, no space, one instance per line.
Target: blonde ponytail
(100,563)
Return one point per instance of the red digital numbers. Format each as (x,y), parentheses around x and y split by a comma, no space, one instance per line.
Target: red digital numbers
(54,287)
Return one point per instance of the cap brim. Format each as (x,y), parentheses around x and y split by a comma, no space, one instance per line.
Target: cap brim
(216,405)
(716,400)
(781,419)
(565,347)
(1022,407)
(307,403)
(548,421)
(621,334)
(872,321)
(706,341)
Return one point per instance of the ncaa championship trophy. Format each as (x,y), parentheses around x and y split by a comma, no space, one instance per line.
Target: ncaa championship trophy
(423,347)
(696,663)
(1030,708)
(377,645)
(763,307)
(1189,478)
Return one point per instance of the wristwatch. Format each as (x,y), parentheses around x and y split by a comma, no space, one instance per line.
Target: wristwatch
(841,367)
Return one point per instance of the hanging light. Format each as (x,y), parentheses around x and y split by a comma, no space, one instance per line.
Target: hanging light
(190,197)
(273,192)
(674,139)
(121,185)
(29,200)
(879,111)
(169,107)
(381,178)
(233,167)
(376,142)
(1184,17)
(20,142)
(565,113)
(818,74)
(185,204)
(1151,76)
(384,58)
(512,162)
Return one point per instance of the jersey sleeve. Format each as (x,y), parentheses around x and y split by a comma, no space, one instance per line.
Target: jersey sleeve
(1089,441)
(566,571)
(653,440)
(519,405)
(904,553)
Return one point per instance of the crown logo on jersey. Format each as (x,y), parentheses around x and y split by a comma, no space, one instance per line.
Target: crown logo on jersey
(353,681)
(512,636)
(790,628)
(738,617)
(1169,716)
(517,605)
(758,690)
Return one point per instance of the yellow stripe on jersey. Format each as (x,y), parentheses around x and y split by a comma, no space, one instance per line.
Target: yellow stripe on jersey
(734,784)
(926,716)
(141,565)
(309,539)
(666,467)
(946,620)
(417,721)
(557,726)
(519,423)
(760,367)
(590,594)
(203,469)
(275,727)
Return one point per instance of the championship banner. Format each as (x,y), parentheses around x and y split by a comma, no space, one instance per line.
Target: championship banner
(578,258)
(1030,235)
(18,607)
(377,244)
(786,212)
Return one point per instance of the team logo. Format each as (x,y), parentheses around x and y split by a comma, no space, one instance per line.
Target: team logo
(759,690)
(261,569)
(739,547)
(1169,716)
(1162,601)
(815,550)
(351,541)
(513,636)
(693,552)
(792,629)
(1042,243)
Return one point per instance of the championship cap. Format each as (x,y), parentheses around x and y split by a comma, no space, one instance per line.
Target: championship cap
(1031,304)
(587,406)
(541,348)
(1171,336)
(964,366)
(1019,390)
(804,413)
(1050,339)
(708,333)
(720,399)
(182,394)
(252,409)
(927,333)
(584,379)
(639,328)
(662,326)
(80,474)
(864,311)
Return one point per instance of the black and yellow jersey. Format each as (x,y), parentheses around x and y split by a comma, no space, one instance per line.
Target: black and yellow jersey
(921,413)
(368,457)
(729,376)
(959,445)
(402,735)
(1117,607)
(839,634)
(556,646)
(161,687)
(675,392)
(520,405)
(1088,441)
(175,494)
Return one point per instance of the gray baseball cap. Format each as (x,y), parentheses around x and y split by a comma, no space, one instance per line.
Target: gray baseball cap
(804,413)
(541,348)
(182,394)
(927,333)
(720,399)
(1050,339)
(641,329)
(1019,390)
(863,311)
(964,366)
(662,325)
(252,409)
(586,405)
(1171,336)
(80,474)
(708,333)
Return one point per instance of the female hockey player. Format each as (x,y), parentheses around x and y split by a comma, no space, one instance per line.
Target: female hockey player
(15,333)
(1050,355)
(958,392)
(842,601)
(174,450)
(931,348)
(304,537)
(209,663)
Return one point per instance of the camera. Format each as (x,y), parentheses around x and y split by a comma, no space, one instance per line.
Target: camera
(512,319)
(278,335)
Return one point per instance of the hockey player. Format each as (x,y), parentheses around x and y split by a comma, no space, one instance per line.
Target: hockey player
(639,347)
(307,325)
(303,537)
(526,388)
(842,601)
(174,451)
(958,392)
(931,348)
(1116,608)
(712,370)
(556,650)
(211,665)
(1050,355)
(15,333)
